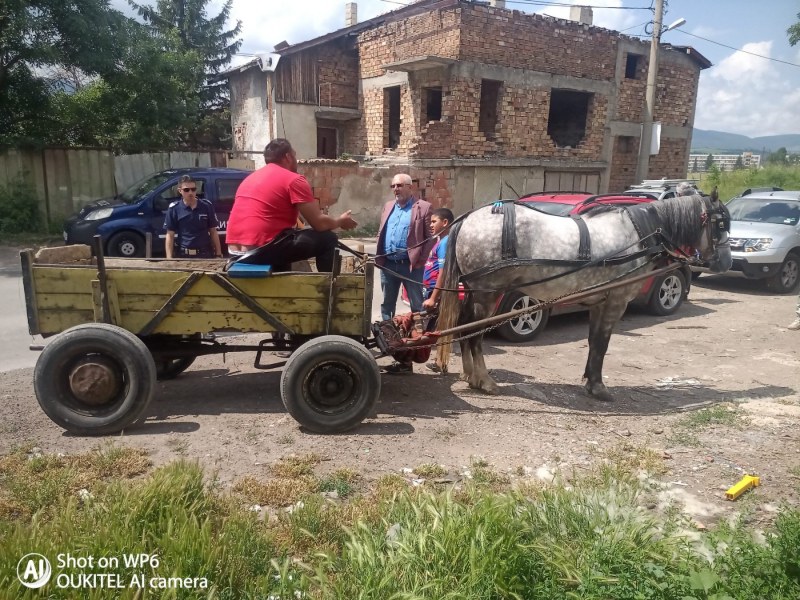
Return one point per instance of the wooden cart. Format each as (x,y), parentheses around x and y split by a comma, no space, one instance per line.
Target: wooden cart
(119,324)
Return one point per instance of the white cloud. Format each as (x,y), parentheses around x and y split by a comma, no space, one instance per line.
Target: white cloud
(740,94)
(748,95)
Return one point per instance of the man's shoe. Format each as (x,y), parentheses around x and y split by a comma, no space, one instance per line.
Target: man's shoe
(398,368)
(795,326)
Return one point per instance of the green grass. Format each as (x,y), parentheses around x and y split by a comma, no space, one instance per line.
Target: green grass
(485,539)
(733,183)
(721,414)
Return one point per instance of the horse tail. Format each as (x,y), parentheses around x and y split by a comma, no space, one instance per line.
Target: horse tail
(450,305)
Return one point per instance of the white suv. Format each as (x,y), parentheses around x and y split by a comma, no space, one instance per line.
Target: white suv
(765,237)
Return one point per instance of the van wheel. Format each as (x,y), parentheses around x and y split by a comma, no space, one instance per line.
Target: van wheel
(126,244)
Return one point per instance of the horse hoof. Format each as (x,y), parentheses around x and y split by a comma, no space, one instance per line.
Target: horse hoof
(600,394)
(486,386)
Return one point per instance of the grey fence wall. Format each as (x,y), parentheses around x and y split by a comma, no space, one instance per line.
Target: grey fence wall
(65,179)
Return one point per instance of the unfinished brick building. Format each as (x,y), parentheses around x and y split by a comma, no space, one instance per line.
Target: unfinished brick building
(474,100)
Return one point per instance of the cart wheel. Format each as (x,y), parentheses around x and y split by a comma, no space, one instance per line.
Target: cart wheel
(170,368)
(330,384)
(94,379)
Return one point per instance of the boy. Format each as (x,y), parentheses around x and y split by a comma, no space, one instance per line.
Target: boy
(440,224)
(441,218)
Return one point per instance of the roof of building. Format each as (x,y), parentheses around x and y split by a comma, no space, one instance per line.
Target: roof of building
(264,62)
(423,6)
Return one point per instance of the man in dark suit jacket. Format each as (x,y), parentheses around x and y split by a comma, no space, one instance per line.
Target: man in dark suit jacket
(402,245)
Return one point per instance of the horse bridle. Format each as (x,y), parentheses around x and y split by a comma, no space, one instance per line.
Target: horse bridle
(718,219)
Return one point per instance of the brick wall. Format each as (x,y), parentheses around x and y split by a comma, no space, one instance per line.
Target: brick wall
(326,176)
(676,91)
(671,160)
(623,165)
(435,33)
(524,41)
(338,76)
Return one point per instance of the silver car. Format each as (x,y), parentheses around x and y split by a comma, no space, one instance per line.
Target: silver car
(765,238)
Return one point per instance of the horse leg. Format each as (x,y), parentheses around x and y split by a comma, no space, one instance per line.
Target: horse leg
(479,377)
(466,360)
(602,319)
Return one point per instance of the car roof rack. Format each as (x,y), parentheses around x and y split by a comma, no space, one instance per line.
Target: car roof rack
(757,190)
(664,183)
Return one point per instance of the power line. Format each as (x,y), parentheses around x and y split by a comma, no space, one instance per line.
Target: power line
(738,49)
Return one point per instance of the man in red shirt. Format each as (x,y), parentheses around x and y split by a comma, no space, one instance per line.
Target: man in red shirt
(262,223)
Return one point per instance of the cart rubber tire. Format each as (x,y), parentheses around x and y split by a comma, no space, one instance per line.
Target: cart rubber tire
(170,368)
(104,361)
(524,328)
(330,384)
(668,294)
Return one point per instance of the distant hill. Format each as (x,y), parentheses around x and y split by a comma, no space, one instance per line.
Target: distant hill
(720,142)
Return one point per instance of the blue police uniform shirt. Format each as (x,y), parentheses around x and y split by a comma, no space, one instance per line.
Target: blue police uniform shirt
(191,225)
(397,227)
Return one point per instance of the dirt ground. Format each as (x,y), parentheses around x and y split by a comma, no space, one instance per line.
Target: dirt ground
(728,344)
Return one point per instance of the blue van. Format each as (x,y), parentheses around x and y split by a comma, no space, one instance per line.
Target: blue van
(124,220)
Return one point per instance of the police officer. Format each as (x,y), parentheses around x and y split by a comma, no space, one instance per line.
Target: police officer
(195,222)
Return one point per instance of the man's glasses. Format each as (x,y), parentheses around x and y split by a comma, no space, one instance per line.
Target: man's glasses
(397,185)
(194,189)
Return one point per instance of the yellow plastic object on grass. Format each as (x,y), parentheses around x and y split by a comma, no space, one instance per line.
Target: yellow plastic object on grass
(744,484)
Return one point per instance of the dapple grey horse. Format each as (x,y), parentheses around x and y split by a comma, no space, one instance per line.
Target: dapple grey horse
(498,248)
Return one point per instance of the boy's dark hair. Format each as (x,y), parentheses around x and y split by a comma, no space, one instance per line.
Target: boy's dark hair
(276,150)
(186,179)
(444,214)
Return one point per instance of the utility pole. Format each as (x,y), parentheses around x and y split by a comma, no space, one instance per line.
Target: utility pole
(643,166)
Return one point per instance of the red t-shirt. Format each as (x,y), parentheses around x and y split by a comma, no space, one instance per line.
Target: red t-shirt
(266,204)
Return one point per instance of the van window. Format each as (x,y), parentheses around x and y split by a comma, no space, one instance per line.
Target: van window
(171,194)
(226,189)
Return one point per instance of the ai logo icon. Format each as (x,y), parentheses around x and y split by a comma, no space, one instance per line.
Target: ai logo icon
(34,570)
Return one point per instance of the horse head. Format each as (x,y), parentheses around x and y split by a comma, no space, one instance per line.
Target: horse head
(714,248)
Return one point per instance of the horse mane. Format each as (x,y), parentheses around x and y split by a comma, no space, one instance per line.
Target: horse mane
(679,218)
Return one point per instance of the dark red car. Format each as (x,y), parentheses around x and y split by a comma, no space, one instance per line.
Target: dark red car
(661,296)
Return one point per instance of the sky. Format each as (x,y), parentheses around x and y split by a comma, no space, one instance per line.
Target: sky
(741,93)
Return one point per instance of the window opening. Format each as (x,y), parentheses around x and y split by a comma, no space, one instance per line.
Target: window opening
(326,142)
(632,66)
(433,104)
(566,124)
(625,144)
(490,96)
(391,117)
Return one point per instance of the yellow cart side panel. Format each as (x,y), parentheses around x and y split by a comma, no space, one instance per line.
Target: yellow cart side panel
(187,323)
(64,297)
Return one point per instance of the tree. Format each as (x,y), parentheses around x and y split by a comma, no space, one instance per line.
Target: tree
(709,161)
(739,164)
(779,157)
(794,32)
(36,34)
(187,22)
(149,102)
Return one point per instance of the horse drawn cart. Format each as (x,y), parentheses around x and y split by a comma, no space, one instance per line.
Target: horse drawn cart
(119,324)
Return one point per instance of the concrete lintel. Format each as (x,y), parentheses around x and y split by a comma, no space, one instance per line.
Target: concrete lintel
(472,70)
(419,63)
(565,164)
(334,113)
(618,128)
(382,81)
